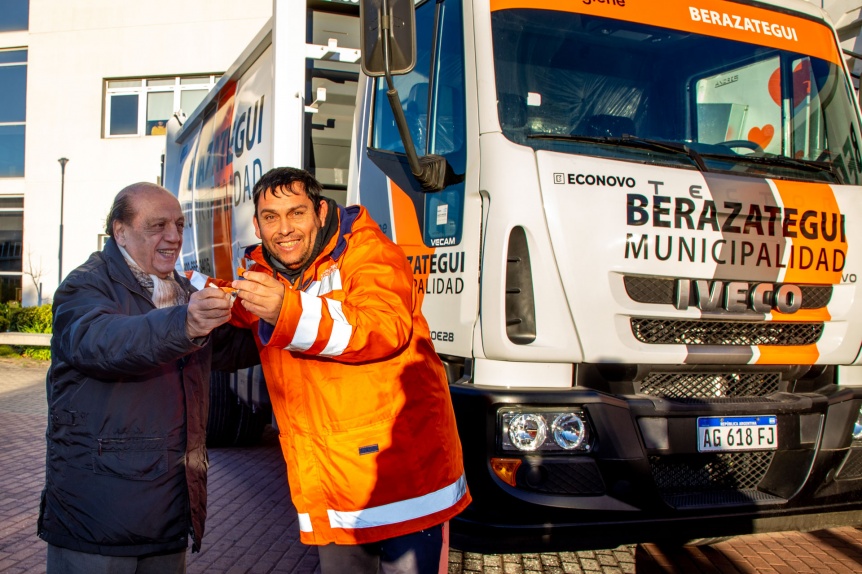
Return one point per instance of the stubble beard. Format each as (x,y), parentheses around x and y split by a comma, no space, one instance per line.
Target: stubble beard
(274,253)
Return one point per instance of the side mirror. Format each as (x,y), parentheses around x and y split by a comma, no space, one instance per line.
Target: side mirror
(395,18)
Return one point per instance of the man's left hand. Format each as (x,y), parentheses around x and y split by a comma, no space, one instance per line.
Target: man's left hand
(261,294)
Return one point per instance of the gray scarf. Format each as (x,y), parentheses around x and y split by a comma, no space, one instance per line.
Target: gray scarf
(164,292)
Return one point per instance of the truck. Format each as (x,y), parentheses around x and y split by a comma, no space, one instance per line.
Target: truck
(630,234)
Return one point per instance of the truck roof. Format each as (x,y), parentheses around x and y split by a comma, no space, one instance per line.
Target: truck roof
(261,41)
(264,39)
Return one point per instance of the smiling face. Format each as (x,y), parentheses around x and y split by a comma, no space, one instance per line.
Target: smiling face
(155,234)
(288,224)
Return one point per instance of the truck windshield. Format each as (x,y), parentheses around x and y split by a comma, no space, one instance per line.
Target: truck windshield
(582,84)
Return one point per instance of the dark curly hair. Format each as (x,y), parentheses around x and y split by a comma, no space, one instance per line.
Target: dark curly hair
(280,180)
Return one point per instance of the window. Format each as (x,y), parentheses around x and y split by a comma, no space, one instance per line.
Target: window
(432,96)
(143,106)
(15,15)
(725,114)
(13,111)
(11,240)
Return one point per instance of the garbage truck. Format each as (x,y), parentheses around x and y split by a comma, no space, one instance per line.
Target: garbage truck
(630,229)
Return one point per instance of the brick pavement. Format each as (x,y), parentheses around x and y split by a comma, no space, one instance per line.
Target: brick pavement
(252,524)
(22,460)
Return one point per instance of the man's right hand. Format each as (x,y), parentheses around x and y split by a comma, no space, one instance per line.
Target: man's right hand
(208,308)
(261,294)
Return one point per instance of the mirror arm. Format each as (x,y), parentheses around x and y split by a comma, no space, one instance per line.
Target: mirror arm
(401,123)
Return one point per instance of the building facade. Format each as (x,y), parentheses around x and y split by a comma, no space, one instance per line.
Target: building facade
(847,17)
(87,89)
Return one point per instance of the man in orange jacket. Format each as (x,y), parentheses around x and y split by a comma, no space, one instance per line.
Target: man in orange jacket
(359,394)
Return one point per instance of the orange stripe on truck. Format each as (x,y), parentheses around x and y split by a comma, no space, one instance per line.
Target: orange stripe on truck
(820,315)
(407,232)
(813,224)
(799,355)
(717,18)
(222,209)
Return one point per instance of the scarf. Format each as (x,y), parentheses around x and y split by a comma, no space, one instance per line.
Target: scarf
(164,292)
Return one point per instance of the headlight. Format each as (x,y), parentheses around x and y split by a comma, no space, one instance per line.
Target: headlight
(543,430)
(569,431)
(527,431)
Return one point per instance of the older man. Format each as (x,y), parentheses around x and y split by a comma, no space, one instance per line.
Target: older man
(133,343)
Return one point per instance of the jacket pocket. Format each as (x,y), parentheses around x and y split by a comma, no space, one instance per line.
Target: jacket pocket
(131,458)
(353,465)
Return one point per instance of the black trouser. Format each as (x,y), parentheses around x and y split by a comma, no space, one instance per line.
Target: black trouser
(416,553)
(65,561)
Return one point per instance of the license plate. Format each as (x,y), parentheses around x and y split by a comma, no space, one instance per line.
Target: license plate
(722,434)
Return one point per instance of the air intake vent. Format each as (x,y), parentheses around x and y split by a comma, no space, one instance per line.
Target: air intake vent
(700,386)
(520,303)
(689,332)
(698,480)
(852,467)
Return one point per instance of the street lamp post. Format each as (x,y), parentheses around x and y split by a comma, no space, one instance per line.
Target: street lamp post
(63,161)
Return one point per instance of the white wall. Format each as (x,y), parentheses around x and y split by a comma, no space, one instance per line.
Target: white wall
(72,47)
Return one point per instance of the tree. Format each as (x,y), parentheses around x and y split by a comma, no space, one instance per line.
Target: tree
(35,273)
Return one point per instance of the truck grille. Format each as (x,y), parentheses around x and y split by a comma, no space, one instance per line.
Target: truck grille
(709,385)
(726,478)
(852,467)
(693,332)
(660,291)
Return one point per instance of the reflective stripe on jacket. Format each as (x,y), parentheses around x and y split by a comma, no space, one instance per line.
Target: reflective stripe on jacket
(359,394)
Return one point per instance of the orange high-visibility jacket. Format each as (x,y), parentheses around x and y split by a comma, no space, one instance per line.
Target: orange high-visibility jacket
(359,394)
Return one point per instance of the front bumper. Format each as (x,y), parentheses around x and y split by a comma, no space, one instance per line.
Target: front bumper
(644,479)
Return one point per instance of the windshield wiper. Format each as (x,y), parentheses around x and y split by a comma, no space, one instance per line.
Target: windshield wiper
(627,140)
(672,146)
(784,161)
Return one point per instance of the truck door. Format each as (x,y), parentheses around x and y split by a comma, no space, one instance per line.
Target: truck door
(440,231)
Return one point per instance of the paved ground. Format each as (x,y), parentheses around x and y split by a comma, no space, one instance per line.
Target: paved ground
(252,524)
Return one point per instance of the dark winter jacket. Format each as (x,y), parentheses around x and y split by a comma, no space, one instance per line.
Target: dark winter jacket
(128,395)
